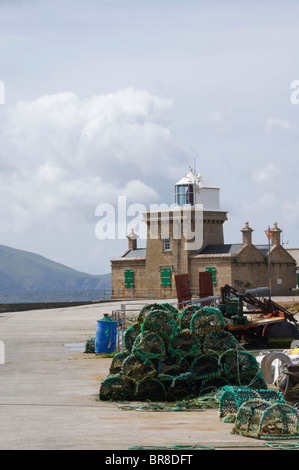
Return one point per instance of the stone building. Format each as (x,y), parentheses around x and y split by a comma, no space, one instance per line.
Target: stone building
(188,238)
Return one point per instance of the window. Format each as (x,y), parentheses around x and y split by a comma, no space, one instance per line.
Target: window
(184,194)
(129,278)
(166,244)
(165,277)
(213,270)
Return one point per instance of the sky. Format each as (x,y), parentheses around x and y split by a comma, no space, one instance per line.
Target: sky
(105,99)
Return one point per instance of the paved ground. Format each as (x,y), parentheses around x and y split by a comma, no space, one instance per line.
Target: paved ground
(49,393)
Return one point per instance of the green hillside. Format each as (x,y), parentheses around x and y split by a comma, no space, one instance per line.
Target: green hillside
(22,270)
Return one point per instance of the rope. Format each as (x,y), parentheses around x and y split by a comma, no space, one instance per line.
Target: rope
(273,445)
(196,404)
(284,446)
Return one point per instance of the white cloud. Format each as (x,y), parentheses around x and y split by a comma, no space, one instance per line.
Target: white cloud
(62,156)
(266,174)
(218,116)
(267,200)
(273,123)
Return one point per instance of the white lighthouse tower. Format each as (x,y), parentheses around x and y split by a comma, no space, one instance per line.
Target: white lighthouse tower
(192,189)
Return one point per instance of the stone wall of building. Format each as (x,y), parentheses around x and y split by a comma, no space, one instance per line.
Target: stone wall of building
(118,267)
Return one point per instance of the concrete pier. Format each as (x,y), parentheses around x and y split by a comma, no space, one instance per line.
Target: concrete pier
(49,392)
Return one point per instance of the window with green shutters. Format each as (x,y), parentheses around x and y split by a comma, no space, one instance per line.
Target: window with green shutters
(165,277)
(213,270)
(129,278)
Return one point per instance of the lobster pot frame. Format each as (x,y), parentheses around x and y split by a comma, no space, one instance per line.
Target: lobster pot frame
(206,366)
(256,381)
(133,368)
(185,316)
(130,335)
(171,309)
(118,359)
(238,363)
(149,308)
(149,345)
(181,388)
(271,395)
(232,398)
(220,341)
(207,320)
(160,322)
(212,384)
(150,389)
(185,343)
(171,367)
(267,420)
(115,388)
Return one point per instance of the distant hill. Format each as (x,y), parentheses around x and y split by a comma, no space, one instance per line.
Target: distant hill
(22,271)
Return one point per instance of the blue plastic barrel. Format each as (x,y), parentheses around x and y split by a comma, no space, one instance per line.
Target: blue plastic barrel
(105,339)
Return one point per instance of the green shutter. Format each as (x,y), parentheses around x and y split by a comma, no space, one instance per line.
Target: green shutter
(213,270)
(165,277)
(129,278)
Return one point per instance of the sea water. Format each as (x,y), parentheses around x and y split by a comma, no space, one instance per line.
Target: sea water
(15,297)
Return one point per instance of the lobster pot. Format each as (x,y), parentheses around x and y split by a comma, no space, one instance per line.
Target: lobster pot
(207,320)
(90,345)
(185,316)
(149,345)
(170,308)
(185,343)
(206,366)
(149,389)
(212,384)
(232,398)
(133,368)
(181,388)
(115,388)
(130,335)
(172,367)
(160,322)
(237,364)
(150,308)
(118,359)
(267,420)
(105,340)
(220,341)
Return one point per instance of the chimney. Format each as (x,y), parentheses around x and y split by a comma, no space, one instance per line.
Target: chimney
(247,231)
(276,234)
(132,237)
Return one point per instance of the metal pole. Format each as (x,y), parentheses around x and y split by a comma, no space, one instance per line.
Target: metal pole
(269,234)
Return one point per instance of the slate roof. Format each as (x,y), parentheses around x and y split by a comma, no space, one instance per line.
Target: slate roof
(229,249)
(137,253)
